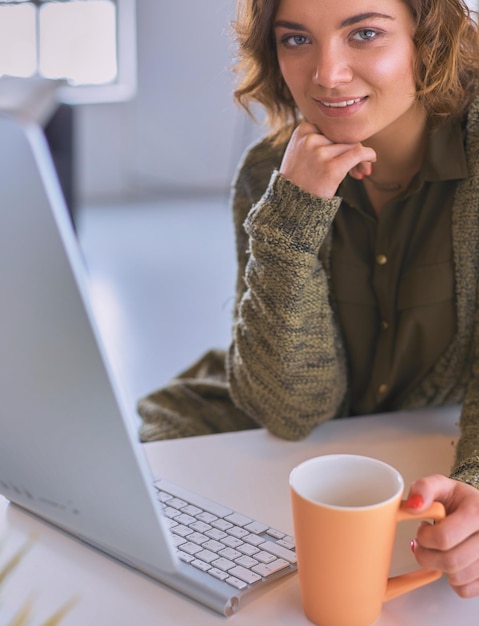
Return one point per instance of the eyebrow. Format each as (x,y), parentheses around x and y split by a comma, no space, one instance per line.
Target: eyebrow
(365,16)
(349,21)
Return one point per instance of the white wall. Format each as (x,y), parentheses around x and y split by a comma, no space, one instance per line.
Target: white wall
(182,133)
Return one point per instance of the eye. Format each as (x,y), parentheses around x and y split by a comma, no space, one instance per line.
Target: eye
(365,35)
(294,41)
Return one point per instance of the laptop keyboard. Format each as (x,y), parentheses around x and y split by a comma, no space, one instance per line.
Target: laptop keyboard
(223,543)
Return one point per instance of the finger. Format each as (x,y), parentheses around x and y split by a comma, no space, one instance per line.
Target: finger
(357,158)
(312,139)
(469,590)
(424,491)
(319,143)
(463,580)
(364,168)
(461,502)
(449,533)
(461,561)
(465,576)
(305,127)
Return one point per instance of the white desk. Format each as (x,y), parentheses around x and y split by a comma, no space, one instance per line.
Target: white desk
(249,471)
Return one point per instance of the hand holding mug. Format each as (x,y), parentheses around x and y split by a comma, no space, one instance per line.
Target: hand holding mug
(452,546)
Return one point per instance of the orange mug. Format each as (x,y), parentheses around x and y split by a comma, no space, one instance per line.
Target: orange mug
(345,512)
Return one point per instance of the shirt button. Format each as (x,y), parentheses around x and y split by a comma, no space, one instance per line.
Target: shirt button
(384,325)
(381,259)
(382,389)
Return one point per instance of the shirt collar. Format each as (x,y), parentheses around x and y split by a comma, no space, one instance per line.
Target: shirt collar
(444,159)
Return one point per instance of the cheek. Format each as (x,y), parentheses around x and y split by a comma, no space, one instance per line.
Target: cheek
(285,72)
(295,75)
(396,74)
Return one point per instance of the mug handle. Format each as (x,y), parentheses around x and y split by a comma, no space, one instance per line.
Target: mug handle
(397,585)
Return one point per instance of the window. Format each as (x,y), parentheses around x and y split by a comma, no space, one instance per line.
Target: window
(88,44)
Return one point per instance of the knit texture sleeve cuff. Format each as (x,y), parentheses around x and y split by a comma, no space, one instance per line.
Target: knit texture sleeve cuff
(468,471)
(288,215)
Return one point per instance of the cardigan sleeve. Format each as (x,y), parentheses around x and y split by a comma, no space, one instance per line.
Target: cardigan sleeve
(465,229)
(466,465)
(285,366)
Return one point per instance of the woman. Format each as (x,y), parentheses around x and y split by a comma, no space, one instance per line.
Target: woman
(359,260)
(357,230)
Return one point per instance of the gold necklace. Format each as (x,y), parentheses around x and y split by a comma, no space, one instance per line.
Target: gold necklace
(384,186)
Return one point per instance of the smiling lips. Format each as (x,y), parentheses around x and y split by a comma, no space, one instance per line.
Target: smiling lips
(340,108)
(339,105)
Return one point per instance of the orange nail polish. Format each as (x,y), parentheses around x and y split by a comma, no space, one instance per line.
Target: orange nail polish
(414,502)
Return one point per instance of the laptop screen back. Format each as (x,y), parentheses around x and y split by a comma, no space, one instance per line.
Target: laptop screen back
(68,450)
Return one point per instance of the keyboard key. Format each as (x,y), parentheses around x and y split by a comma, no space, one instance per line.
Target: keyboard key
(246,561)
(229,553)
(207,556)
(181,530)
(213,545)
(176,503)
(201,527)
(187,520)
(223,564)
(237,532)
(216,534)
(248,549)
(199,538)
(236,582)
(191,510)
(221,524)
(170,522)
(206,517)
(254,540)
(204,567)
(266,570)
(232,542)
(276,534)
(191,548)
(287,542)
(177,540)
(193,498)
(183,556)
(279,551)
(244,574)
(163,496)
(217,573)
(256,528)
(264,557)
(170,512)
(238,519)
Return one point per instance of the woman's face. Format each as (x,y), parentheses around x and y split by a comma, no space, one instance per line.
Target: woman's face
(349,64)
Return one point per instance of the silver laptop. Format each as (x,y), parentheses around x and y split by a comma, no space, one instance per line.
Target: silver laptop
(69,452)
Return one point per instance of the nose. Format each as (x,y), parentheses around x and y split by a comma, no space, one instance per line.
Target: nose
(332,68)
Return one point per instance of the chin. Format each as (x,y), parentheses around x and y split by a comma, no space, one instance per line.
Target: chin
(340,133)
(339,136)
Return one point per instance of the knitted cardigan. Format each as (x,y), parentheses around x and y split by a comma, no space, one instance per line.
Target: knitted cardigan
(286,368)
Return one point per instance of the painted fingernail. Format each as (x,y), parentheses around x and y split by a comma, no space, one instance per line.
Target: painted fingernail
(414,502)
(413,545)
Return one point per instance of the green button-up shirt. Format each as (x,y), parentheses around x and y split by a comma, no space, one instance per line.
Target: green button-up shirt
(393,278)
